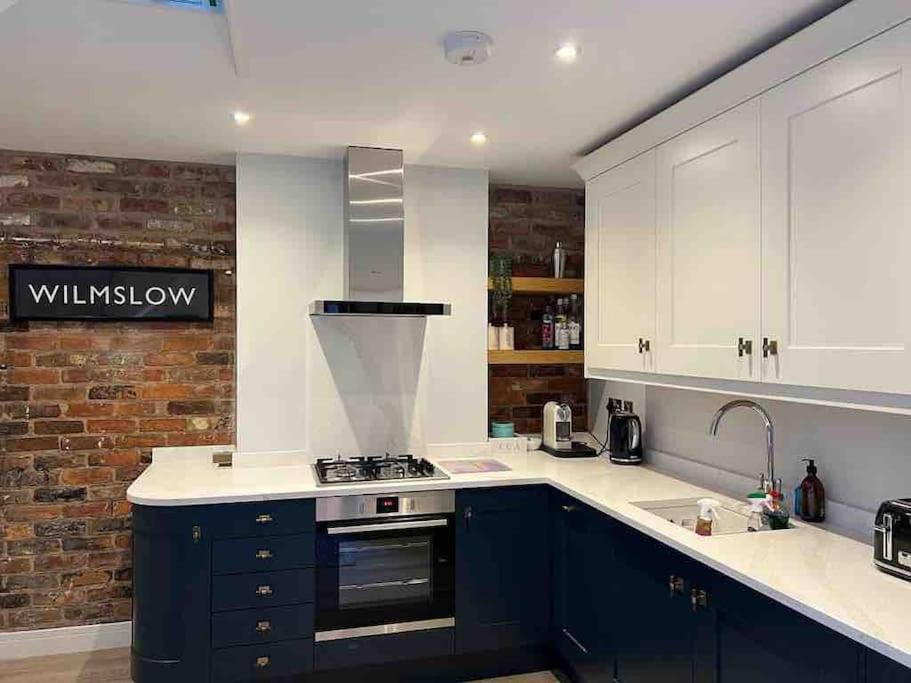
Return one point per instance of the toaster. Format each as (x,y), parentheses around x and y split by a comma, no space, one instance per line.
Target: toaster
(892,538)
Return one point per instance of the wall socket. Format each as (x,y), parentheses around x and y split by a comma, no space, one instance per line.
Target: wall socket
(615,405)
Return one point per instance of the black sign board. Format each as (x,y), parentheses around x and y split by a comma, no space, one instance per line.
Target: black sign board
(114,293)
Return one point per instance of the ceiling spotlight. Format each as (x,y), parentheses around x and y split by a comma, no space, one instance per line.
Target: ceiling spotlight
(241,118)
(467,48)
(478,138)
(567,53)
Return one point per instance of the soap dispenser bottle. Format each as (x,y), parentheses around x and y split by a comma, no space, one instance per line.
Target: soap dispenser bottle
(707,515)
(812,495)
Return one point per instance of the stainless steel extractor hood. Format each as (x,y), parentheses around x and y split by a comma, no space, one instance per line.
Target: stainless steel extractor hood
(375,240)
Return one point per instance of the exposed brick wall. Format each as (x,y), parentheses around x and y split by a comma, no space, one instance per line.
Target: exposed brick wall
(83,404)
(525,223)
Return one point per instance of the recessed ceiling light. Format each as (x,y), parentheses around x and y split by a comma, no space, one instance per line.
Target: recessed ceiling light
(478,138)
(241,118)
(567,53)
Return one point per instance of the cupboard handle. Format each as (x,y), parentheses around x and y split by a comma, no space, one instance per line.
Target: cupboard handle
(575,642)
(197,534)
(675,584)
(263,626)
(264,591)
(263,554)
(769,347)
(264,519)
(569,508)
(698,598)
(645,346)
(744,346)
(263,662)
(468,516)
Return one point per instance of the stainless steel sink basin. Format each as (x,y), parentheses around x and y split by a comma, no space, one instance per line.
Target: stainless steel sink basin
(732,517)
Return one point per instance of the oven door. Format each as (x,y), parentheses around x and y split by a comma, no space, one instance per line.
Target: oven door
(390,573)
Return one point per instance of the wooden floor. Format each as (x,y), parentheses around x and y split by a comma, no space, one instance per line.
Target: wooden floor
(113,666)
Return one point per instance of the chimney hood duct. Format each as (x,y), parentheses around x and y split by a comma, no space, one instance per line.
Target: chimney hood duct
(375,240)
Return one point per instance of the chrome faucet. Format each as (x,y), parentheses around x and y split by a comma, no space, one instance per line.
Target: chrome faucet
(767,480)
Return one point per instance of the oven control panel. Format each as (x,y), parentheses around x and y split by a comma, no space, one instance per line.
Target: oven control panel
(365,506)
(387,504)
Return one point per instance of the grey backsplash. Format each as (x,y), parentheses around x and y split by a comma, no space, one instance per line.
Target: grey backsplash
(863,457)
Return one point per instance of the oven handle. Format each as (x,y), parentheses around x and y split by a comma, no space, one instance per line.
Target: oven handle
(387,526)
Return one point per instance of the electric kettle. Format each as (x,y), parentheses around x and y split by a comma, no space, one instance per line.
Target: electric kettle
(624,438)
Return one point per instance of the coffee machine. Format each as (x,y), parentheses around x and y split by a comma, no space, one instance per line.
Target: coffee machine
(557,438)
(558,426)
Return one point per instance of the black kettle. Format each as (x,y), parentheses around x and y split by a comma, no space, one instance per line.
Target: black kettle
(624,438)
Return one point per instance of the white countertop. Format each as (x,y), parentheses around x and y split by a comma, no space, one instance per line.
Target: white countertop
(827,577)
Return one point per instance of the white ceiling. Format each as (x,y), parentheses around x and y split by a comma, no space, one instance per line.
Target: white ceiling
(127,78)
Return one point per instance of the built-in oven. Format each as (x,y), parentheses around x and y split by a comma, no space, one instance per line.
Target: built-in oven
(385,563)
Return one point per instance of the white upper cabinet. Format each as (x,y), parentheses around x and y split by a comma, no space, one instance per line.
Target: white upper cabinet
(620,266)
(836,212)
(708,285)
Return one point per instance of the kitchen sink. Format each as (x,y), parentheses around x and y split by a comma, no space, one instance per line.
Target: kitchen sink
(732,517)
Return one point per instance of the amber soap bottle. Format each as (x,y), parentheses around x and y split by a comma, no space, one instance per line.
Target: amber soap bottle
(812,495)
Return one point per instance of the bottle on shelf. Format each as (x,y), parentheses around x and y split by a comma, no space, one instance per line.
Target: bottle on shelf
(547,328)
(561,331)
(575,325)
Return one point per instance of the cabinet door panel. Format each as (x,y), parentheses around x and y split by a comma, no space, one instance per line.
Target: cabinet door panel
(502,569)
(836,192)
(709,247)
(620,265)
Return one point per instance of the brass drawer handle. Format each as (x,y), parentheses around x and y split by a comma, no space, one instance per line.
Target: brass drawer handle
(263,662)
(264,591)
(675,584)
(263,626)
(264,519)
(263,554)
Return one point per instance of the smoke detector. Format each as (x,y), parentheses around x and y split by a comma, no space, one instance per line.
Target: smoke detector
(467,48)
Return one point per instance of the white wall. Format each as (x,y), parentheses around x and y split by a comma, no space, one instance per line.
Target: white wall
(357,385)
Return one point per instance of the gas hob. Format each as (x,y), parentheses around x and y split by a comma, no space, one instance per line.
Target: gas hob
(374,468)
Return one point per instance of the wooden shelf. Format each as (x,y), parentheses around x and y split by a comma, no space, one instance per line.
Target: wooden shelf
(544,285)
(535,357)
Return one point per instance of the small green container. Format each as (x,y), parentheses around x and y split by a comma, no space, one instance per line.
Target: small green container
(502,430)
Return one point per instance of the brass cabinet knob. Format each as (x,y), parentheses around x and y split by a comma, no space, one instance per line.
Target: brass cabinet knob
(263,626)
(264,591)
(698,598)
(263,554)
(263,662)
(264,519)
(675,584)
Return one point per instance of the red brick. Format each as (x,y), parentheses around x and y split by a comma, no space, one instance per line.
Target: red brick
(32,342)
(163,424)
(33,376)
(90,409)
(119,426)
(36,443)
(170,358)
(155,392)
(59,427)
(188,343)
(87,475)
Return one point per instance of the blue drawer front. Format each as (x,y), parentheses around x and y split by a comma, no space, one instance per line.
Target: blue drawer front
(270,518)
(262,589)
(291,658)
(396,647)
(268,553)
(266,625)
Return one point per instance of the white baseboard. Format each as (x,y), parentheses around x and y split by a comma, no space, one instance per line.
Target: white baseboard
(66,640)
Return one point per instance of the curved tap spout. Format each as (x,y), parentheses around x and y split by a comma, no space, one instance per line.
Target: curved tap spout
(769,432)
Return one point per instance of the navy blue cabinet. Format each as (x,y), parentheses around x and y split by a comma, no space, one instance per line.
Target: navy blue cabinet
(222,593)
(583,577)
(879,669)
(502,568)
(171,580)
(758,639)
(659,634)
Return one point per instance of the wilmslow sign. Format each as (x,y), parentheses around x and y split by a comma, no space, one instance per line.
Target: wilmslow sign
(114,293)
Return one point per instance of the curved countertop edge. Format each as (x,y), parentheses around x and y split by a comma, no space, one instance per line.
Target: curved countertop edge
(145,493)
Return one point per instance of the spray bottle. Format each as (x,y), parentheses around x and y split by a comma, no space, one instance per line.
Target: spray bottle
(707,515)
